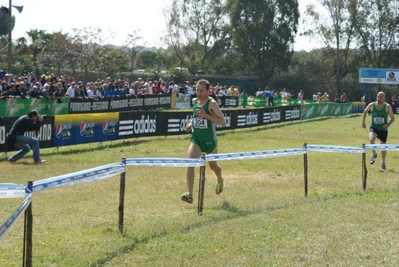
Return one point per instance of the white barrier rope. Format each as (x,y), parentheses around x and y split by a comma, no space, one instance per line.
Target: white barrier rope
(324,148)
(165,162)
(382,147)
(12,191)
(256,154)
(85,176)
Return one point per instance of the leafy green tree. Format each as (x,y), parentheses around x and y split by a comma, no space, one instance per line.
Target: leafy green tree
(111,60)
(167,58)
(147,59)
(334,22)
(4,25)
(194,28)
(32,47)
(56,54)
(376,28)
(263,34)
(85,42)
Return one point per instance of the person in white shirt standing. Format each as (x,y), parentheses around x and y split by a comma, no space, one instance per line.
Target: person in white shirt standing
(71,90)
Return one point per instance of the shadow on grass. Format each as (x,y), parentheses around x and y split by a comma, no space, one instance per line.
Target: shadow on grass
(234,213)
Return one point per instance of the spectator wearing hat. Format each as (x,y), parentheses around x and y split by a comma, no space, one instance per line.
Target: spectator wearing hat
(325,97)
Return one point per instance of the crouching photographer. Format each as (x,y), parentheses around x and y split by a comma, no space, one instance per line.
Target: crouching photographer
(30,122)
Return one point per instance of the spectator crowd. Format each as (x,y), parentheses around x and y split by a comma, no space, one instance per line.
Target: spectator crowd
(53,87)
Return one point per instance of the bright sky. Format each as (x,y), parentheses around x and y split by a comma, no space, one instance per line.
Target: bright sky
(121,17)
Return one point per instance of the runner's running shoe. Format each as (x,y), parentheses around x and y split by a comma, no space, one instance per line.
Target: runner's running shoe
(187,197)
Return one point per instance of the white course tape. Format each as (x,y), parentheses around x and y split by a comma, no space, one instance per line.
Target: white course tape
(165,162)
(382,147)
(85,176)
(324,148)
(8,224)
(256,154)
(12,191)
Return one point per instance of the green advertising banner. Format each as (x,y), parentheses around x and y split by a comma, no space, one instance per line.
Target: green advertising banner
(256,101)
(325,109)
(15,107)
(309,111)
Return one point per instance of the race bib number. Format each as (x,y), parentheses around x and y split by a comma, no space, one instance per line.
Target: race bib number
(200,123)
(379,120)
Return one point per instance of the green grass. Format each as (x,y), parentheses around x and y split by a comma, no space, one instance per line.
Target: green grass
(261,219)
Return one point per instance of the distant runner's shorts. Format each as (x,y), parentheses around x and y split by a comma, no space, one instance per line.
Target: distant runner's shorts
(206,147)
(382,135)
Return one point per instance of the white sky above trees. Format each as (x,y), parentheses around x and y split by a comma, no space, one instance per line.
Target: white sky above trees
(116,18)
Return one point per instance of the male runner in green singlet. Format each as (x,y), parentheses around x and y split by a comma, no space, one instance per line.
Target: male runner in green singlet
(379,125)
(206,114)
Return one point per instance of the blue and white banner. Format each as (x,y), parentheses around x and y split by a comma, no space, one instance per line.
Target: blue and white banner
(256,154)
(382,147)
(379,76)
(165,162)
(9,223)
(325,148)
(12,191)
(85,176)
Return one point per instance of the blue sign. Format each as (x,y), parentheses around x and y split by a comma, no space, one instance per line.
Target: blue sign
(379,76)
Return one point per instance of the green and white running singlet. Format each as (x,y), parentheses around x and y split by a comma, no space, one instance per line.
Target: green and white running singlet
(203,130)
(379,118)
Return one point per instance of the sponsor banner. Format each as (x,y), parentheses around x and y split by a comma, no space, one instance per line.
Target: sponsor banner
(247,118)
(135,124)
(256,101)
(325,109)
(279,114)
(228,101)
(336,109)
(16,107)
(45,136)
(379,76)
(230,119)
(80,177)
(309,111)
(347,108)
(78,106)
(174,122)
(184,101)
(271,115)
(395,109)
(12,191)
(358,107)
(291,113)
(85,128)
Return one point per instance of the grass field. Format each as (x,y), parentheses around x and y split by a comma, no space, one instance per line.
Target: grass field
(261,219)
